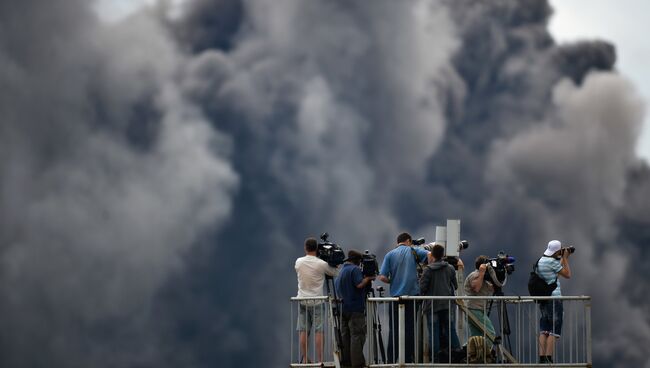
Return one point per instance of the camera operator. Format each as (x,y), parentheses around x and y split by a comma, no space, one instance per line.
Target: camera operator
(399,270)
(439,279)
(554,262)
(352,288)
(311,272)
(477,285)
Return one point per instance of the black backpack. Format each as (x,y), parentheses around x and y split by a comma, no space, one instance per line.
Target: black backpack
(537,286)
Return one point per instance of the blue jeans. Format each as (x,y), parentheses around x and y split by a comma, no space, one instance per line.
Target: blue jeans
(440,322)
(550,322)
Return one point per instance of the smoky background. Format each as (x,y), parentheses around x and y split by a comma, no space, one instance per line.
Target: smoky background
(158,175)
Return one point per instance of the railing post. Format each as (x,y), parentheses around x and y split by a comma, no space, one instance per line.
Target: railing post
(402,333)
(370,331)
(588,327)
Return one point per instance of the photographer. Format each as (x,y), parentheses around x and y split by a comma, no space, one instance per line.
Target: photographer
(554,262)
(399,269)
(439,279)
(477,285)
(352,288)
(311,272)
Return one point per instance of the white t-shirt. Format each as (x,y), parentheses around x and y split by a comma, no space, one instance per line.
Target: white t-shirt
(311,272)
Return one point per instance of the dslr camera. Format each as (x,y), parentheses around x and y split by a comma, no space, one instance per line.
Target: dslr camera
(330,252)
(571,249)
(418,241)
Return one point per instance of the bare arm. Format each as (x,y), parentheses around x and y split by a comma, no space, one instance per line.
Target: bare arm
(478,282)
(383,278)
(566,270)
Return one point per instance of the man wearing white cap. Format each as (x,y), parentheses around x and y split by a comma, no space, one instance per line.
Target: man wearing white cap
(554,262)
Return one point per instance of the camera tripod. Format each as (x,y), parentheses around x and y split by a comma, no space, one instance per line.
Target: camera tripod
(376,329)
(504,323)
(335,317)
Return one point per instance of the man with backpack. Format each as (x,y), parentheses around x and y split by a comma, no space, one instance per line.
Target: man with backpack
(554,262)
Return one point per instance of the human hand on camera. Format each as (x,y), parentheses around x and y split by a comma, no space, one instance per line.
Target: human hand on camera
(482,267)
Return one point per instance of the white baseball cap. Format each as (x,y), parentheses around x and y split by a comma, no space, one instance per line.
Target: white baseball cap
(553,246)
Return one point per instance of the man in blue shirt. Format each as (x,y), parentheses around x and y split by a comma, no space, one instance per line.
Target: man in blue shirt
(352,287)
(400,271)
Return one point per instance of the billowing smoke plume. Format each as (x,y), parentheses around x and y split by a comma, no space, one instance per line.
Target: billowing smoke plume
(159,175)
(108,176)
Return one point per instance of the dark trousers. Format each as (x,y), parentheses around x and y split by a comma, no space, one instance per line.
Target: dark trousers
(353,335)
(440,325)
(409,332)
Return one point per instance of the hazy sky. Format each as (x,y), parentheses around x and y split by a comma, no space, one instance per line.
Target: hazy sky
(622,22)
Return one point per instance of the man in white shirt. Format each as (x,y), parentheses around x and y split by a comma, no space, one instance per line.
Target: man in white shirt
(311,272)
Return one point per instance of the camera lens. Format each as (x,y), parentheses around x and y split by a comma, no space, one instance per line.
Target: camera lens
(417,241)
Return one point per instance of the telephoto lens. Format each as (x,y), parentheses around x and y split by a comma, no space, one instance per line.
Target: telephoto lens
(464,244)
(417,241)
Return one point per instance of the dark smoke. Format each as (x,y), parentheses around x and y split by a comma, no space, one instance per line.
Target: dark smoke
(108,176)
(159,175)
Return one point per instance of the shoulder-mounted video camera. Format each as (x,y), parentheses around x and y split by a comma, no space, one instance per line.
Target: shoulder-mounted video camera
(369,265)
(502,265)
(330,252)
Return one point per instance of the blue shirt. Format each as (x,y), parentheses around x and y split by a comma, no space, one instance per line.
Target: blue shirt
(399,266)
(354,299)
(547,269)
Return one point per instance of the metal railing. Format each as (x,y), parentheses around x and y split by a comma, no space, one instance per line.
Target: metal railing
(313,340)
(399,331)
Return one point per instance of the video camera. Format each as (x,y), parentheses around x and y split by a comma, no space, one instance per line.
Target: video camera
(369,265)
(502,265)
(330,252)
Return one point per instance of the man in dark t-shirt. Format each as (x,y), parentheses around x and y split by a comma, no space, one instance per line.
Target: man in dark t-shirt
(351,287)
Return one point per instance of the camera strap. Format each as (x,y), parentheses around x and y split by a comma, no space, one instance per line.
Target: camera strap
(535,267)
(417,264)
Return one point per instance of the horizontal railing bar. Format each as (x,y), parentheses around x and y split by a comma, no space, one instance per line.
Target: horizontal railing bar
(391,299)
(513,297)
(476,365)
(301,298)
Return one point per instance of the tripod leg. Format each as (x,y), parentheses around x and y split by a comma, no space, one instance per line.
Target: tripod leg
(380,339)
(373,342)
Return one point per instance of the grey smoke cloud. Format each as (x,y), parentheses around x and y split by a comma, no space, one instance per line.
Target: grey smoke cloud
(161,174)
(595,122)
(109,176)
